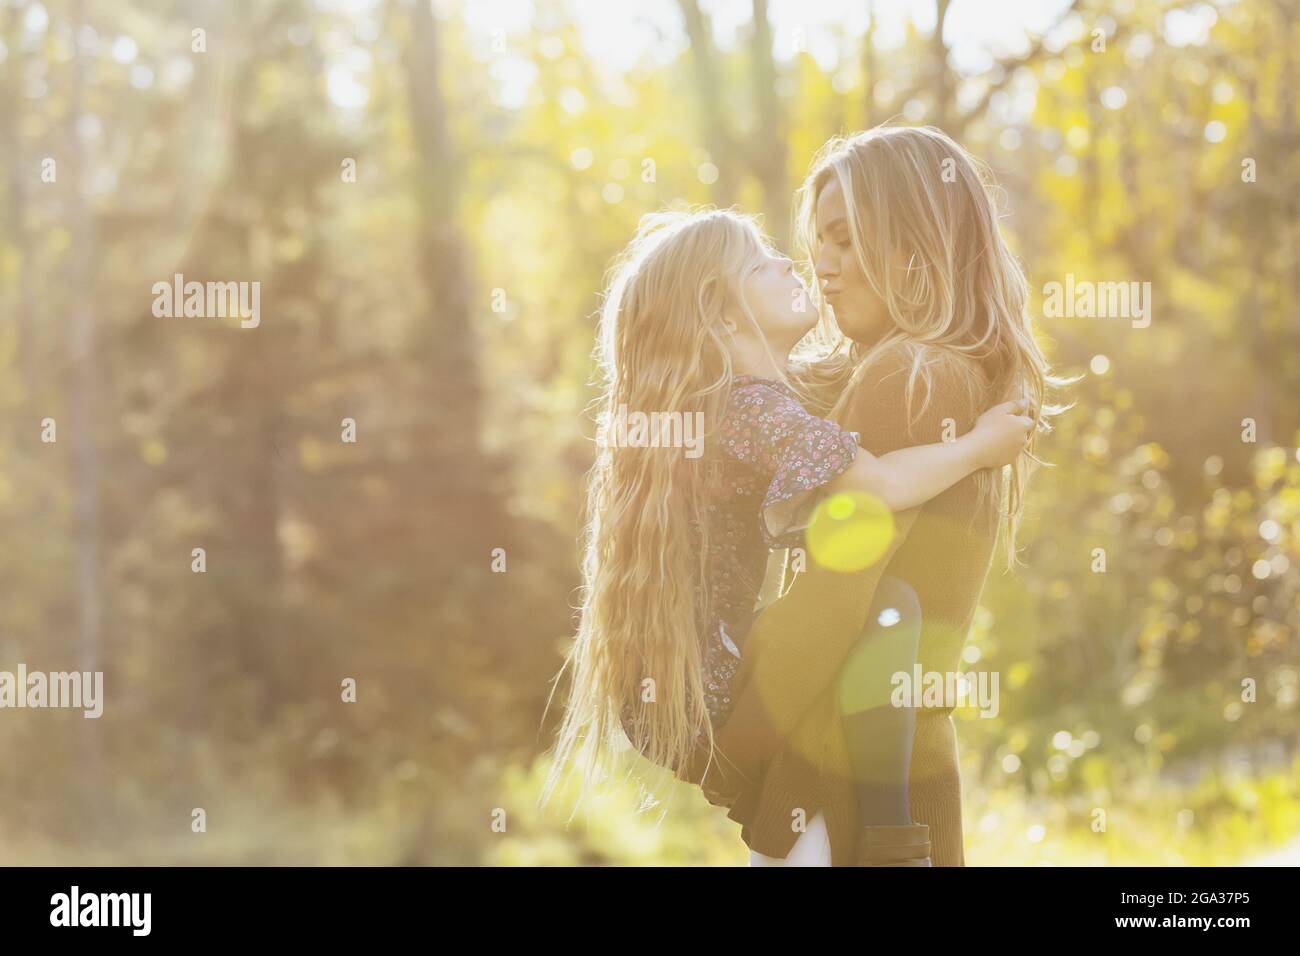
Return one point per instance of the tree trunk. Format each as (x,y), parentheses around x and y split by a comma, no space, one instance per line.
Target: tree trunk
(869,112)
(708,95)
(769,158)
(943,86)
(22,170)
(84,401)
(470,512)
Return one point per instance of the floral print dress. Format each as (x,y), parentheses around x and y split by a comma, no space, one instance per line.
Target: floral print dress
(772,452)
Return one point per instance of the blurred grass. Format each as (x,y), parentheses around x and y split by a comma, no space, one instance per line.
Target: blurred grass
(1225,819)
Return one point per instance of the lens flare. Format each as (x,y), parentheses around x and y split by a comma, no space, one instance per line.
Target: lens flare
(849,531)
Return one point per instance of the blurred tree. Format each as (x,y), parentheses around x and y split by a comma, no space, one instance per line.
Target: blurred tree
(713,126)
(767,145)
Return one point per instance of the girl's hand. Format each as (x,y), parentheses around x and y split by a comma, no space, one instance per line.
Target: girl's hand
(1001,433)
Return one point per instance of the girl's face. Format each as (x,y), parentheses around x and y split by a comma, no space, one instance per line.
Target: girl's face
(859,312)
(779,300)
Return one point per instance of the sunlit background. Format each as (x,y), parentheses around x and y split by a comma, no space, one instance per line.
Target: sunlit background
(429,197)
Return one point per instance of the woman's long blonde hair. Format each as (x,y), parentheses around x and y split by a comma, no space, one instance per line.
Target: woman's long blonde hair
(636,662)
(924,228)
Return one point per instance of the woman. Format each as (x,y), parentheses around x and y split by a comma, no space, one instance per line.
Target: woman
(699,320)
(924,312)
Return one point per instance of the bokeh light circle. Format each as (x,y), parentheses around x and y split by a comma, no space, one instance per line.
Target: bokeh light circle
(849,531)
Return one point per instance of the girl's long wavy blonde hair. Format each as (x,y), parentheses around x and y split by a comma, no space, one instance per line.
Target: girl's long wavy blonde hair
(917,198)
(636,662)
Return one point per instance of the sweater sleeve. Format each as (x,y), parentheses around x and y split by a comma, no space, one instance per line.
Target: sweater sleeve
(797,646)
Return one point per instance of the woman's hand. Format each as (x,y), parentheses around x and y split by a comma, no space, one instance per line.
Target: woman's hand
(1001,433)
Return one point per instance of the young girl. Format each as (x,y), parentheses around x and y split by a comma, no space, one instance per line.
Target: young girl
(699,318)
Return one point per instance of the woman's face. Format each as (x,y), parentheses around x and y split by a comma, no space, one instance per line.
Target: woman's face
(779,300)
(859,312)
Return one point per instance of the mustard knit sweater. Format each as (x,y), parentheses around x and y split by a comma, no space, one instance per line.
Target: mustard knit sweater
(781,756)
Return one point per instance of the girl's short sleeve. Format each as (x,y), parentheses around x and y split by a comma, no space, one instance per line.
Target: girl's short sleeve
(796,451)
